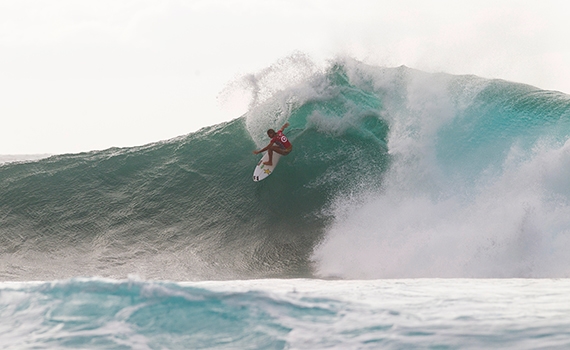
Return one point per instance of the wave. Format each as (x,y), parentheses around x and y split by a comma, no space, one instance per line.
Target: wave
(478,184)
(395,173)
(96,313)
(107,314)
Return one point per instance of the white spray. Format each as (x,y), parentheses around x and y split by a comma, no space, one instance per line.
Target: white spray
(424,223)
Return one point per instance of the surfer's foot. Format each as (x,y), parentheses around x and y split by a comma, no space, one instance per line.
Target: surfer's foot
(268,163)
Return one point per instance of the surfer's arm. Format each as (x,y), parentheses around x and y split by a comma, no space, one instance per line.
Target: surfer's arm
(283,127)
(263,149)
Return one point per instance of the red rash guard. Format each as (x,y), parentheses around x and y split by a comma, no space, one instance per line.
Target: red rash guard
(281,140)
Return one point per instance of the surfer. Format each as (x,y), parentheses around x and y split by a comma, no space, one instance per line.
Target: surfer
(279,143)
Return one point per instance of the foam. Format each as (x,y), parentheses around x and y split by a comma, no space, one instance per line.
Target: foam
(505,215)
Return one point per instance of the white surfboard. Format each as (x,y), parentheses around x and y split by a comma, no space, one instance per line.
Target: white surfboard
(261,170)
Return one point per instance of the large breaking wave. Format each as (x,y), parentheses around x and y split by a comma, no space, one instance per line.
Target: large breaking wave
(395,173)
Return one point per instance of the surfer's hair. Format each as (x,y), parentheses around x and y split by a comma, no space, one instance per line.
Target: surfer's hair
(270,132)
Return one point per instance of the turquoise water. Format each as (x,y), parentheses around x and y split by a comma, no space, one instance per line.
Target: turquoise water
(286,314)
(398,178)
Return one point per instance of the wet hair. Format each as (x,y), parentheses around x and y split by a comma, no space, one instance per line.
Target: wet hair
(271,132)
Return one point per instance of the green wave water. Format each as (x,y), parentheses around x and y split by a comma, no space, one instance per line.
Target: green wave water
(373,148)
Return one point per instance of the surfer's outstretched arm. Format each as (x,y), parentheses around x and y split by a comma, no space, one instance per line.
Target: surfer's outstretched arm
(263,149)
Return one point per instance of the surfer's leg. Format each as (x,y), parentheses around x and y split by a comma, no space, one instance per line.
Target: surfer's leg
(270,152)
(283,151)
(277,149)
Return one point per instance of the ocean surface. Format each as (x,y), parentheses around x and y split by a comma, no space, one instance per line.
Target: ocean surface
(417,210)
(286,314)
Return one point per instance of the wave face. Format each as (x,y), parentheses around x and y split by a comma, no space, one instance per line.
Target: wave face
(394,173)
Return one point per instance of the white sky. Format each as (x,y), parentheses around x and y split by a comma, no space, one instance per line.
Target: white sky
(84,75)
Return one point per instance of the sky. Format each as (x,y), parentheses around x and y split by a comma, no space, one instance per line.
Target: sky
(86,75)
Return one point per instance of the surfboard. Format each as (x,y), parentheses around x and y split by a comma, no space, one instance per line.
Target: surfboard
(261,170)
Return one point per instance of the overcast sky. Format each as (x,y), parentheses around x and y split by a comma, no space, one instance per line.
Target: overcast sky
(79,75)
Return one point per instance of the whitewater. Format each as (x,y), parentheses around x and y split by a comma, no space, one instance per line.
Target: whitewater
(417,210)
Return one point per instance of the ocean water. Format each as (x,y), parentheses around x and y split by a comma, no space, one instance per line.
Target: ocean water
(286,314)
(422,210)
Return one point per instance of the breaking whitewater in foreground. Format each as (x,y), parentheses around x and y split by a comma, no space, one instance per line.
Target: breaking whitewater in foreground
(395,173)
(286,314)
